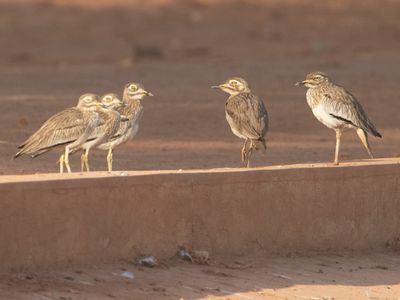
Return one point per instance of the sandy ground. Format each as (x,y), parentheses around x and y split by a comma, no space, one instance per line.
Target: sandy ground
(344,276)
(53,53)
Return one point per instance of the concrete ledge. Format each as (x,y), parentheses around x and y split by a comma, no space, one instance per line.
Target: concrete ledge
(52,220)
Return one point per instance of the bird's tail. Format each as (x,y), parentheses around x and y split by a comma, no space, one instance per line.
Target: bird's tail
(20,153)
(264,144)
(375,132)
(371,129)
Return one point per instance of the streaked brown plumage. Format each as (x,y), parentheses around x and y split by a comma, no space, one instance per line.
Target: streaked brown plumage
(246,115)
(338,109)
(70,127)
(131,112)
(108,126)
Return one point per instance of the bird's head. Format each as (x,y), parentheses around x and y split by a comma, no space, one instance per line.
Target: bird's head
(111,101)
(89,101)
(135,91)
(314,79)
(233,86)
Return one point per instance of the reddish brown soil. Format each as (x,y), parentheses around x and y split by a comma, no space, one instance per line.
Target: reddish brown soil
(334,277)
(52,53)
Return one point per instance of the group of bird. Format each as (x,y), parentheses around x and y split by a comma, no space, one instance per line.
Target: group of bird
(94,122)
(107,122)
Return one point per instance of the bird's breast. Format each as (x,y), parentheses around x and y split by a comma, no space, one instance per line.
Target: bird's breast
(234,126)
(325,118)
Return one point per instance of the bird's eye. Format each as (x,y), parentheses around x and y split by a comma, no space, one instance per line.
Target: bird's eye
(233,83)
(133,88)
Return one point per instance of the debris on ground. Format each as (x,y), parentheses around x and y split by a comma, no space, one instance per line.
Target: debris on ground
(148,261)
(237,266)
(201,257)
(184,254)
(216,273)
(127,274)
(281,276)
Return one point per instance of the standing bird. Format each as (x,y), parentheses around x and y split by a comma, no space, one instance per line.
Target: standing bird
(131,112)
(246,115)
(70,127)
(336,108)
(109,124)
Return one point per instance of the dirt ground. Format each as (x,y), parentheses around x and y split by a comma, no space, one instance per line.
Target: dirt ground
(333,277)
(53,51)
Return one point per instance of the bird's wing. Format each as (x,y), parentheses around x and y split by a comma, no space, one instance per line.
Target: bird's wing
(100,128)
(63,127)
(130,114)
(342,105)
(248,114)
(261,114)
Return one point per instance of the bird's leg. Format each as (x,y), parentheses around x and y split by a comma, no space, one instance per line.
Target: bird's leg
(110,159)
(252,147)
(86,160)
(364,139)
(66,159)
(338,134)
(248,159)
(244,152)
(61,161)
(82,162)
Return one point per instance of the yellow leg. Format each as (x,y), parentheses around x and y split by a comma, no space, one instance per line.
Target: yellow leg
(244,152)
(245,158)
(66,159)
(85,162)
(61,161)
(364,139)
(110,159)
(252,147)
(338,134)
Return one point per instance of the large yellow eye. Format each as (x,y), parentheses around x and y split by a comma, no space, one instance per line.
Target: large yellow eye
(133,88)
(233,83)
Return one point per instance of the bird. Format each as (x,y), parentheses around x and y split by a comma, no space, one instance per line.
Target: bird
(108,126)
(246,115)
(337,109)
(131,112)
(70,128)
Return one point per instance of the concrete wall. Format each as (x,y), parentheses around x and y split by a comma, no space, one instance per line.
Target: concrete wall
(54,220)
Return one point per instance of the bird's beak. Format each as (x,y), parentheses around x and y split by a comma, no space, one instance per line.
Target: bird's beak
(300,83)
(148,93)
(223,85)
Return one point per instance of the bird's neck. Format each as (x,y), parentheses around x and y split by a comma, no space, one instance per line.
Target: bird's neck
(239,93)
